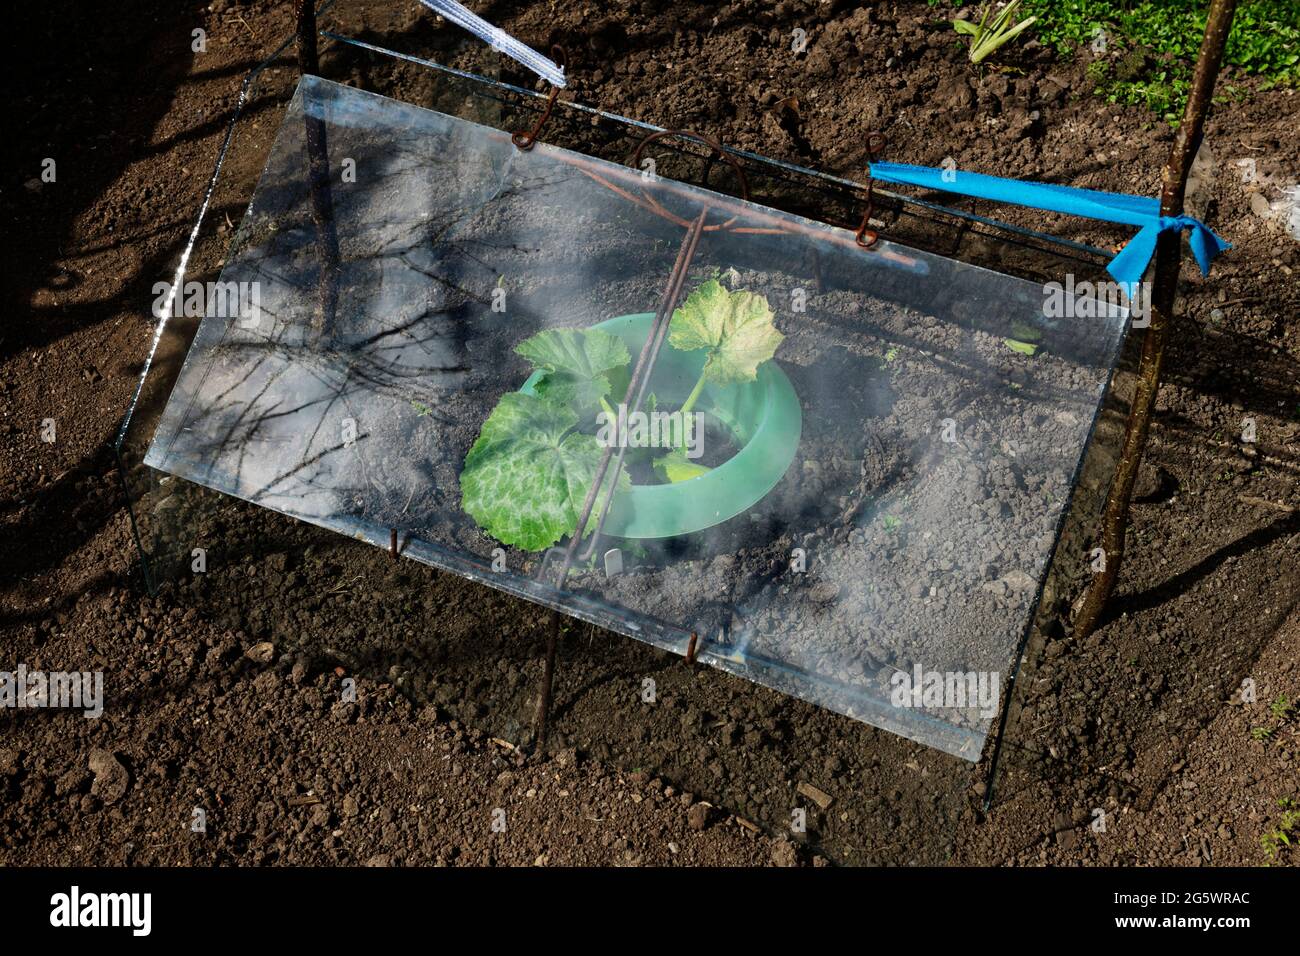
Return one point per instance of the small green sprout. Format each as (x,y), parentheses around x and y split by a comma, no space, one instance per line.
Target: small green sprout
(1024,348)
(1024,338)
(1277,840)
(987,36)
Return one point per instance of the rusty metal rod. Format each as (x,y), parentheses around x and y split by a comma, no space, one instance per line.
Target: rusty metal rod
(635,392)
(548,679)
(658,332)
(766,223)
(640,375)
(318,179)
(528,140)
(304,14)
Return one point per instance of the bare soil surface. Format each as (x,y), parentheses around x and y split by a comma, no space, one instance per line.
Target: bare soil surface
(225,693)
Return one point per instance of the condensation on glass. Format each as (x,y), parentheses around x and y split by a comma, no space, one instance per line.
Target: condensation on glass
(393,257)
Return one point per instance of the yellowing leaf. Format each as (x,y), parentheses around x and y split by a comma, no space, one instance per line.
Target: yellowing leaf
(675,467)
(736,328)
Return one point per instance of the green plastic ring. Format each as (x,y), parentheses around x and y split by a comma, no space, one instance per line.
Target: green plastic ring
(763,416)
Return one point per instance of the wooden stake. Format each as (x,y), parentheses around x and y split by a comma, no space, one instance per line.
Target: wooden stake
(542,717)
(1169,249)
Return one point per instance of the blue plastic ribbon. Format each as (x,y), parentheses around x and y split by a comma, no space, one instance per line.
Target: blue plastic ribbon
(1129,264)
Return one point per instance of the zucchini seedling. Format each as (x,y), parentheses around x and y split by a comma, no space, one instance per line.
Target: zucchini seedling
(525,479)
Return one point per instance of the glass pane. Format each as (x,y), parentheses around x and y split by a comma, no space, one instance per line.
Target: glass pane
(861,518)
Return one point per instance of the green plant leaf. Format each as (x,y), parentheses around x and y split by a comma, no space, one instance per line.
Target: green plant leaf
(1024,348)
(584,352)
(736,328)
(563,388)
(580,364)
(1025,332)
(989,36)
(526,478)
(675,466)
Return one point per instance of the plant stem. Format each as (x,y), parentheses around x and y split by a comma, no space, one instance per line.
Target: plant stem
(695,392)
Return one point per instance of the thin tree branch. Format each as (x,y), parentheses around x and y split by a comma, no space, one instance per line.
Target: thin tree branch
(1168,262)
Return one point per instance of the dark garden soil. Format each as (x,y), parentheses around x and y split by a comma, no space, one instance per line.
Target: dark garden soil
(224,692)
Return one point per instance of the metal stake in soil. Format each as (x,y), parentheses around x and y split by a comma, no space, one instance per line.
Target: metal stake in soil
(318,179)
(635,395)
(548,679)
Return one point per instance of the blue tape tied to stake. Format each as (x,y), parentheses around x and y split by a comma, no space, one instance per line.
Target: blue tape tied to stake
(1127,267)
(1129,264)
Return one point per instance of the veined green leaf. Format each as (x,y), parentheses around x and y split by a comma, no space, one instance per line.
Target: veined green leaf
(526,478)
(580,364)
(736,328)
(565,389)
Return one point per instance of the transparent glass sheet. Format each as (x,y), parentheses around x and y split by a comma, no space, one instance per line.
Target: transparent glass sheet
(882,501)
